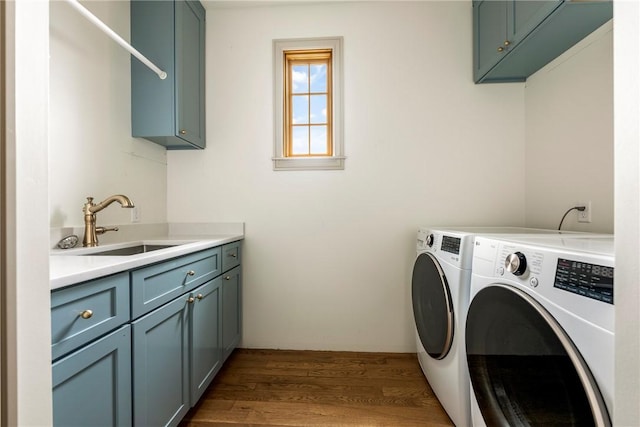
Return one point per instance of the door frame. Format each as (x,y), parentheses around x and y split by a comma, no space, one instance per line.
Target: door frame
(24,278)
(3,204)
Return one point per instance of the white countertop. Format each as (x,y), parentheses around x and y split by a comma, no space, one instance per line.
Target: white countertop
(69,266)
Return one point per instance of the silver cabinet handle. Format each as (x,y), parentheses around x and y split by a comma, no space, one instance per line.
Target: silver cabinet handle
(191,273)
(190,300)
(227,278)
(183,132)
(232,255)
(86,314)
(199,296)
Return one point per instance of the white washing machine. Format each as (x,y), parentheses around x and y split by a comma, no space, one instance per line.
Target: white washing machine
(440,297)
(540,331)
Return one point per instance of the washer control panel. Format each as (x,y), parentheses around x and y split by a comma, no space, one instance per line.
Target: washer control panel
(585,279)
(516,263)
(519,262)
(560,274)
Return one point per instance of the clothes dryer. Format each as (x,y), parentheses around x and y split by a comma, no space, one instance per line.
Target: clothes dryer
(540,331)
(440,298)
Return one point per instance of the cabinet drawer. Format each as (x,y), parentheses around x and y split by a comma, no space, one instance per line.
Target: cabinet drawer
(158,284)
(230,256)
(86,311)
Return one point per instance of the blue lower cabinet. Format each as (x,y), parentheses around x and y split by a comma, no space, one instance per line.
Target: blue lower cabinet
(206,345)
(145,369)
(177,352)
(92,386)
(231,311)
(161,365)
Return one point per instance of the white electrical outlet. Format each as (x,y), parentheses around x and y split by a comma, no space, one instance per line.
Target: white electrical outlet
(585,215)
(135,214)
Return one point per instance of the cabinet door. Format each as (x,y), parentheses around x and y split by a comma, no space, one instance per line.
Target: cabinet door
(525,16)
(169,112)
(490,32)
(161,365)
(231,310)
(153,99)
(190,69)
(206,349)
(92,386)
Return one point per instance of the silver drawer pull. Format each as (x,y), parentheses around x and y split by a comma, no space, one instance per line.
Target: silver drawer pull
(227,278)
(190,300)
(191,273)
(232,255)
(199,296)
(86,314)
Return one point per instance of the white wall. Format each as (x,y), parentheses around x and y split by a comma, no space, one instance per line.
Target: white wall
(92,152)
(328,255)
(569,136)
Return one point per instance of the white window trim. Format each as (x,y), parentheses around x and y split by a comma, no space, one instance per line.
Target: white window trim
(280,162)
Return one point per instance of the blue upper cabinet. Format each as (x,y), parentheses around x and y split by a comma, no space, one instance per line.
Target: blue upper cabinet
(515,38)
(171,34)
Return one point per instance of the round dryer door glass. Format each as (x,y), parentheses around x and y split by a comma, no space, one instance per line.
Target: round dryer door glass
(524,369)
(432,306)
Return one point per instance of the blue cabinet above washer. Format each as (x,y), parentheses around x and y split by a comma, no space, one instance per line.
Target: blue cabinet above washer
(171,34)
(512,39)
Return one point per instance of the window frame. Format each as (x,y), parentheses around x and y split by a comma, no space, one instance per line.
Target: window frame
(281,159)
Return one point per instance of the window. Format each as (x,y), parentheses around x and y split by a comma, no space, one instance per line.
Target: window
(308,104)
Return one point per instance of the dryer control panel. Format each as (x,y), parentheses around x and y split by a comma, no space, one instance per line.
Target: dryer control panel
(451,244)
(589,280)
(450,247)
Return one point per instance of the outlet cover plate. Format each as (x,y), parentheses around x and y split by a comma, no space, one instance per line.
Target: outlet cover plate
(585,215)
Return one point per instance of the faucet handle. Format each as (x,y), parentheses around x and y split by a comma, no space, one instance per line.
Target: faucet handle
(102,230)
(87,204)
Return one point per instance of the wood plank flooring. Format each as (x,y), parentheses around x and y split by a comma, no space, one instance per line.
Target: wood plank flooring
(318,388)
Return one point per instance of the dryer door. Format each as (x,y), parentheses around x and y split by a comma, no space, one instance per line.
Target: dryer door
(432,306)
(524,369)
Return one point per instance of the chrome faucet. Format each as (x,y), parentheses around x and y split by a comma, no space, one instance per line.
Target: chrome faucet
(90,210)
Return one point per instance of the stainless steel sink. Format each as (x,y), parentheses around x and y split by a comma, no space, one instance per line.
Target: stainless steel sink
(131,250)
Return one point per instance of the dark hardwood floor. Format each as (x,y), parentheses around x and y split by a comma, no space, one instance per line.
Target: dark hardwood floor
(318,388)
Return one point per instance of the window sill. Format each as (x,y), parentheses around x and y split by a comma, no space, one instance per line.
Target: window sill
(308,163)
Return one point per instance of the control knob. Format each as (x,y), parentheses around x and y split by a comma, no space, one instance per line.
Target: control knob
(430,240)
(516,263)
